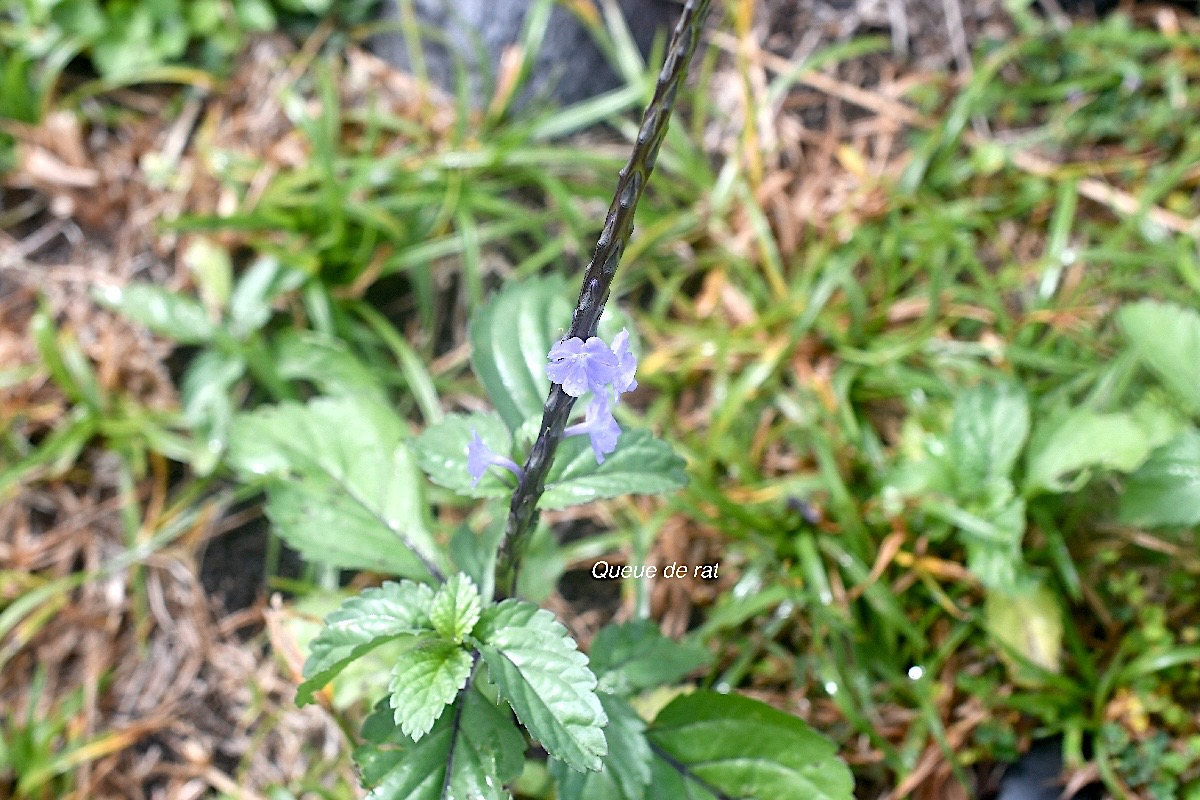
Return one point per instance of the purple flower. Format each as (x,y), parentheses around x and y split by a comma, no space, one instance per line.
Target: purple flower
(480,457)
(626,364)
(600,426)
(579,366)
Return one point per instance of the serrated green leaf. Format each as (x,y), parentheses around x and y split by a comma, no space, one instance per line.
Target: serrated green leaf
(361,678)
(991,424)
(642,464)
(1166,489)
(441,451)
(510,338)
(474,739)
(456,608)
(632,656)
(362,623)
(538,670)
(626,770)
(165,312)
(742,748)
(342,488)
(1166,338)
(425,680)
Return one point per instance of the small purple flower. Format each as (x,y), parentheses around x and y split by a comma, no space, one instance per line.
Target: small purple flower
(626,364)
(580,366)
(600,426)
(480,457)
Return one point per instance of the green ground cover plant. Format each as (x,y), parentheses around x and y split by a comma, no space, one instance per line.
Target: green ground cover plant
(948,445)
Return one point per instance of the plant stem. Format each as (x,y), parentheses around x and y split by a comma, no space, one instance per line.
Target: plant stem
(597,281)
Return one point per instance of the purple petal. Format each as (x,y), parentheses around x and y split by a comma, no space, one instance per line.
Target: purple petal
(479,458)
(578,366)
(565,348)
(626,363)
(603,429)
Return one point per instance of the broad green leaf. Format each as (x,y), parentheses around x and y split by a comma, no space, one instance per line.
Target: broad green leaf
(510,338)
(475,553)
(1030,625)
(425,680)
(165,312)
(538,670)
(632,656)
(361,623)
(991,423)
(456,608)
(325,362)
(1166,489)
(642,464)
(626,770)
(343,488)
(742,748)
(441,451)
(1084,439)
(474,739)
(1166,338)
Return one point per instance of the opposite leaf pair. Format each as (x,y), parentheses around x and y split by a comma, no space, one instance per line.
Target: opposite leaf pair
(532,662)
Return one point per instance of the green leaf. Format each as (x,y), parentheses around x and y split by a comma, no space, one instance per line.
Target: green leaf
(626,770)
(542,565)
(342,486)
(362,623)
(208,404)
(1028,623)
(632,656)
(991,423)
(538,670)
(642,464)
(991,530)
(165,312)
(250,303)
(474,739)
(475,553)
(1166,338)
(510,338)
(456,608)
(361,678)
(441,451)
(1082,440)
(425,680)
(726,745)
(1166,489)
(327,363)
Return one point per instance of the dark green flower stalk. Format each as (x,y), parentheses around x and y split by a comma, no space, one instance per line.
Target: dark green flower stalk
(597,279)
